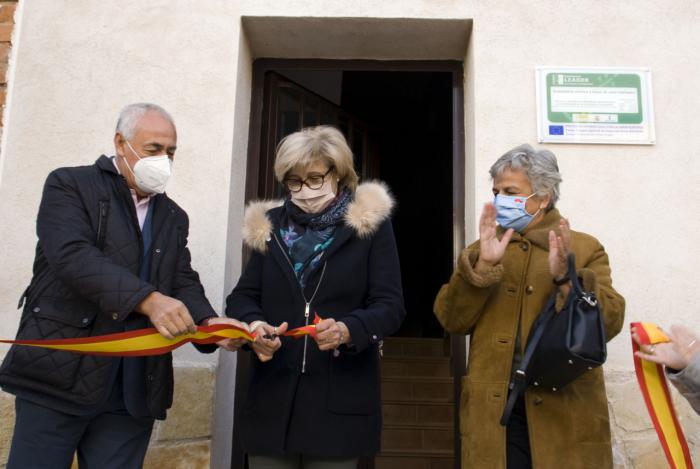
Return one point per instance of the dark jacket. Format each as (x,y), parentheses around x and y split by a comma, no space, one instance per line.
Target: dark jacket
(86,283)
(333,408)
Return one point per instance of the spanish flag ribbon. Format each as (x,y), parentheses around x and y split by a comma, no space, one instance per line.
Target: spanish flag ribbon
(138,343)
(300,332)
(146,342)
(657,397)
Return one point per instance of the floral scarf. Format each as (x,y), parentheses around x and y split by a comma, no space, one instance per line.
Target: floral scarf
(308,235)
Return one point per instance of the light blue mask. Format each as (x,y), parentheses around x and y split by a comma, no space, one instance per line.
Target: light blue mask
(511,213)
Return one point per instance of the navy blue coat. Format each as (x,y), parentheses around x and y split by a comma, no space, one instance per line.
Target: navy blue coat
(332,407)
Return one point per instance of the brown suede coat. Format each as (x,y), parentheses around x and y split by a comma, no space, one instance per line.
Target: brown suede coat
(568,428)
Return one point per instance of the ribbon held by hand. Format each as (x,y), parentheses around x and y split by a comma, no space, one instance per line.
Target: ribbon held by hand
(654,387)
(138,343)
(300,332)
(147,342)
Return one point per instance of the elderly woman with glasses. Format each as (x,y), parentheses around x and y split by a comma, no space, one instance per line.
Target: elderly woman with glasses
(327,249)
(500,285)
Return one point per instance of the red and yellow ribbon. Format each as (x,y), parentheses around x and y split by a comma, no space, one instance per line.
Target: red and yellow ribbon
(138,343)
(146,342)
(300,332)
(657,397)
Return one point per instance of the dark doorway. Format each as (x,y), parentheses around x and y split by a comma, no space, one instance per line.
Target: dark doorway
(404,123)
(409,115)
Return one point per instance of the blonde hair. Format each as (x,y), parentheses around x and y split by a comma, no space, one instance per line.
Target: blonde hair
(324,143)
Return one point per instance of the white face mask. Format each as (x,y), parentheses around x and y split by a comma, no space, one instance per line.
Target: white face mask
(314,200)
(151,174)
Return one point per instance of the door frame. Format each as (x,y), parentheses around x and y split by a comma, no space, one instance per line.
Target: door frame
(260,67)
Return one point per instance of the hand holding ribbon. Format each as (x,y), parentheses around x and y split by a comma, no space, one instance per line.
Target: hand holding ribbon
(331,334)
(267,340)
(649,341)
(232,345)
(682,344)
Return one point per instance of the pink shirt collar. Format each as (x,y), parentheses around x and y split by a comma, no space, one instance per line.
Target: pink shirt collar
(140,205)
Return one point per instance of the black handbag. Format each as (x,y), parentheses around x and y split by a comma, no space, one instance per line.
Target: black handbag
(561,346)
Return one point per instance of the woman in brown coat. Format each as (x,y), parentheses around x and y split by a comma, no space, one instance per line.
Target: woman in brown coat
(501,283)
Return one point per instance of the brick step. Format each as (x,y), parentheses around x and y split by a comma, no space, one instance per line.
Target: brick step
(416,453)
(423,389)
(416,438)
(415,347)
(413,461)
(419,367)
(426,414)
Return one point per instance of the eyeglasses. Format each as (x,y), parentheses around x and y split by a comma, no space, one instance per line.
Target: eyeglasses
(313,182)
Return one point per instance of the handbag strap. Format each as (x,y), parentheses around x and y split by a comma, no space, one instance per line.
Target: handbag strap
(519,382)
(573,275)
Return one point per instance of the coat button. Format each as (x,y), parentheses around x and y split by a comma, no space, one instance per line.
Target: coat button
(529,289)
(537,400)
(157,251)
(36,309)
(86,320)
(115,316)
(524,246)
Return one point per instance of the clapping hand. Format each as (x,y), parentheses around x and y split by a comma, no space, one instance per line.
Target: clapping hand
(491,249)
(559,248)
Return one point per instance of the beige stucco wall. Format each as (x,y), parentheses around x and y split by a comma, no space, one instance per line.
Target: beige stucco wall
(636,199)
(77,62)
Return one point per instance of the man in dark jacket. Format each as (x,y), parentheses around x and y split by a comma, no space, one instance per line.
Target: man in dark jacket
(112,256)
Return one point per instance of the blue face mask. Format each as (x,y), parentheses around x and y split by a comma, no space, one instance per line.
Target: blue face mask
(511,213)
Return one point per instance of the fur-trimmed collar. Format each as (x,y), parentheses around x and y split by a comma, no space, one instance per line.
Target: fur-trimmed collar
(372,205)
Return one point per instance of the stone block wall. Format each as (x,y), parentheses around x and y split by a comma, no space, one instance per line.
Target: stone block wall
(182,441)
(635,444)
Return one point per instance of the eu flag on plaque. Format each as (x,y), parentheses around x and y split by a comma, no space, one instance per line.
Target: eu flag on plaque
(556,130)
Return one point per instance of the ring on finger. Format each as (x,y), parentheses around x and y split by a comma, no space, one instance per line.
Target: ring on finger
(651,348)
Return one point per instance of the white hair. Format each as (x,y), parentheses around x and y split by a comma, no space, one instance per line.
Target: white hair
(130,116)
(540,167)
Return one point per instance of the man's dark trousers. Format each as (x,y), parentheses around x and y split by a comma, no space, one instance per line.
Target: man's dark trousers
(108,438)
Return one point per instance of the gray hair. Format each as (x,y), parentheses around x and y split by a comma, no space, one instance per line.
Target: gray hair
(130,116)
(324,143)
(540,167)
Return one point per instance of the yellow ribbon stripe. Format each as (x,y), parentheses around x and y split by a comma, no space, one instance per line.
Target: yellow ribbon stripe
(652,382)
(141,342)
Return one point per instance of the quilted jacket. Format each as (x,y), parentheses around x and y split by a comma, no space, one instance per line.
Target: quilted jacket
(86,282)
